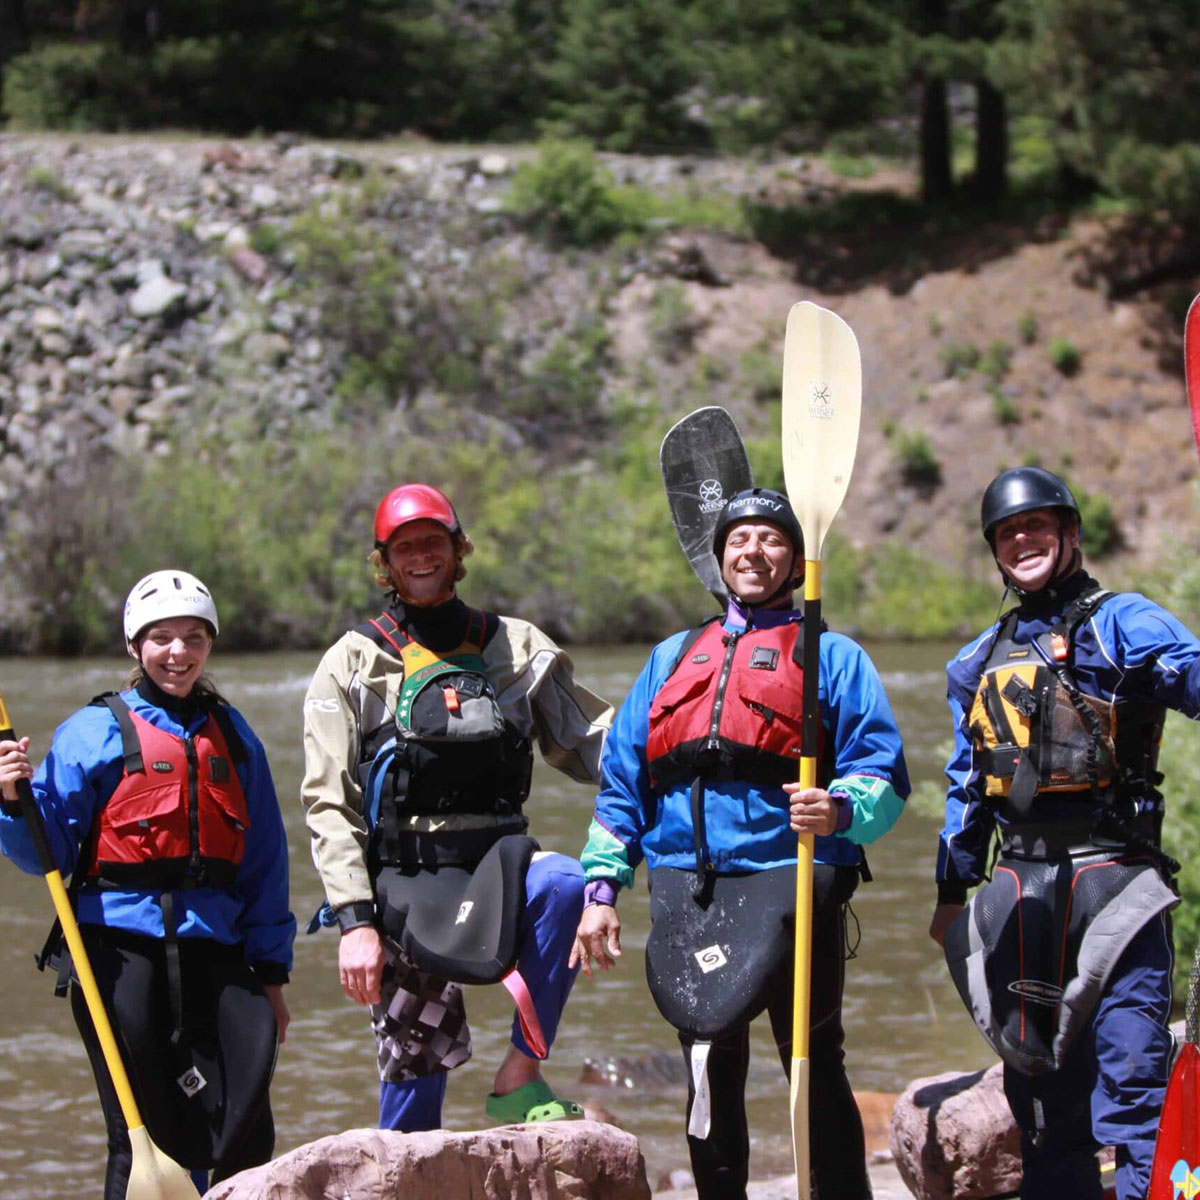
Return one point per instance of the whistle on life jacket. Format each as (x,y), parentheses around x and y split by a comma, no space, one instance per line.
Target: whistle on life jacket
(450,695)
(1058,647)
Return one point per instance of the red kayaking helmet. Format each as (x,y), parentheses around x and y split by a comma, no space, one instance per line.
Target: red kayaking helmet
(413,502)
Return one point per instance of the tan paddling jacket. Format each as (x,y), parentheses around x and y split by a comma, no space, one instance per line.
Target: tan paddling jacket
(355,690)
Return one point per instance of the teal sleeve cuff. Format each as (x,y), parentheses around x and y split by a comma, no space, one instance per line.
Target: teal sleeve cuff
(876,807)
(605,857)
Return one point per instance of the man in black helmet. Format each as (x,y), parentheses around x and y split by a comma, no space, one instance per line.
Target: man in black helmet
(699,778)
(1064,958)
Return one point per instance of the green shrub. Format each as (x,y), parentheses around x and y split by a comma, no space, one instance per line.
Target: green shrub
(915,457)
(910,596)
(1064,357)
(1101,533)
(64,85)
(43,179)
(1027,327)
(566,195)
(995,359)
(959,358)
(1004,408)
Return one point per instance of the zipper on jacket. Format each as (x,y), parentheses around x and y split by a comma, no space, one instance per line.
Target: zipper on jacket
(731,641)
(189,744)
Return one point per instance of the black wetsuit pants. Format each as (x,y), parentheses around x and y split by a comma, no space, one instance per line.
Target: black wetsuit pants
(229,1038)
(721,1162)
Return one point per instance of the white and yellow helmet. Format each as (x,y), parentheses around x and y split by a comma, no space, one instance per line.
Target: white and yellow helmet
(165,594)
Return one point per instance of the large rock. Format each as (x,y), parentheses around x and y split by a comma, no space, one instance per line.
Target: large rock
(954,1138)
(557,1160)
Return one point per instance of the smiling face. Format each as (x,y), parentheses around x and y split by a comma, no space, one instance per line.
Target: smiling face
(422,562)
(1032,547)
(173,653)
(757,560)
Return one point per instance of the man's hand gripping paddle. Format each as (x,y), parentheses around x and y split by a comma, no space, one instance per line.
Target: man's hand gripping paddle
(1176,1170)
(153,1176)
(703,463)
(822,403)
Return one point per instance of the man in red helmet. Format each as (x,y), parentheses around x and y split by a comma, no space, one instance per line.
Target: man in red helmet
(418,737)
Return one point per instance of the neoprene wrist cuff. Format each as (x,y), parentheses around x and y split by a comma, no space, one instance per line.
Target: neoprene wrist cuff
(951,891)
(355,915)
(845,807)
(270,972)
(600,891)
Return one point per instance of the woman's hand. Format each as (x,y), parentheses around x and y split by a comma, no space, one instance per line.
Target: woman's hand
(14,766)
(812,810)
(279,1007)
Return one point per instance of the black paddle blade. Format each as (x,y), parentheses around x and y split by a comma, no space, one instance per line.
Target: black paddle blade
(703,463)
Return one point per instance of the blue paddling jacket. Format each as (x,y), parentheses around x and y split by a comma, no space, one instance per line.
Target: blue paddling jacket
(747,824)
(1128,652)
(84,765)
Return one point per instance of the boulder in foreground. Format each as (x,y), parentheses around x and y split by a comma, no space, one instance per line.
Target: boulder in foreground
(555,1160)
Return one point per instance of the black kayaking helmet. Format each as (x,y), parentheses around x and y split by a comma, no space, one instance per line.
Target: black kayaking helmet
(1023,489)
(758,504)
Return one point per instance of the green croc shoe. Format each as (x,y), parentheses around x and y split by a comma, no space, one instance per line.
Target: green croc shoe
(531,1102)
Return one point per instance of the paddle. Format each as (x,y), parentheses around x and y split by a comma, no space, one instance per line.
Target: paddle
(703,463)
(1176,1170)
(822,402)
(154,1176)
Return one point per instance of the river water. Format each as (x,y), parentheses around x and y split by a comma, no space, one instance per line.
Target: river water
(903,1017)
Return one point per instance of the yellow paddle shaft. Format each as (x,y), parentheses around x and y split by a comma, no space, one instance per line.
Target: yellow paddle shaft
(70,928)
(91,993)
(802,956)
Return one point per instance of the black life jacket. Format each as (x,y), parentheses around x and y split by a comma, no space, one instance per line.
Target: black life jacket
(448,749)
(1035,732)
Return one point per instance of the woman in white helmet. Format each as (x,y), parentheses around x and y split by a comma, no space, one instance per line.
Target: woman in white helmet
(159,804)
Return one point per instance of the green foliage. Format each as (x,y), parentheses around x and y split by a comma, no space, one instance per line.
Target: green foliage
(620,74)
(1101,533)
(1179,762)
(66,86)
(995,360)
(1004,408)
(1027,327)
(566,195)
(914,456)
(959,358)
(1064,356)
(912,596)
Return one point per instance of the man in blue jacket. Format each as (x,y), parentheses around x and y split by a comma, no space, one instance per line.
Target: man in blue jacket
(1064,958)
(699,779)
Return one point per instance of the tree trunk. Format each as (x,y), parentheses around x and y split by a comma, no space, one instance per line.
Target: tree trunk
(14,33)
(990,181)
(937,178)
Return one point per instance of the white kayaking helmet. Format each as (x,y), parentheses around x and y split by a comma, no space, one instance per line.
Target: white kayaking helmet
(165,594)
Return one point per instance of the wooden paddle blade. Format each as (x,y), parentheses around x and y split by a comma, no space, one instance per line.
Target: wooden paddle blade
(800,1151)
(1191,365)
(703,463)
(153,1175)
(1176,1170)
(822,406)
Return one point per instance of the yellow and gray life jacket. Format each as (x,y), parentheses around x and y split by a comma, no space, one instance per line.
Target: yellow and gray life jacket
(1035,732)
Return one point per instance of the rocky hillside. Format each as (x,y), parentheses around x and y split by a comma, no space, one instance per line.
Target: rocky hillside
(146,289)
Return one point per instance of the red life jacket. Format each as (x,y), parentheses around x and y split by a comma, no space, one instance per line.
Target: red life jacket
(731,709)
(178,817)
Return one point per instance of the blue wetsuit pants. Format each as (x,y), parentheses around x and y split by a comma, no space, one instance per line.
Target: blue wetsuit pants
(554,903)
(1110,1088)
(721,1161)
